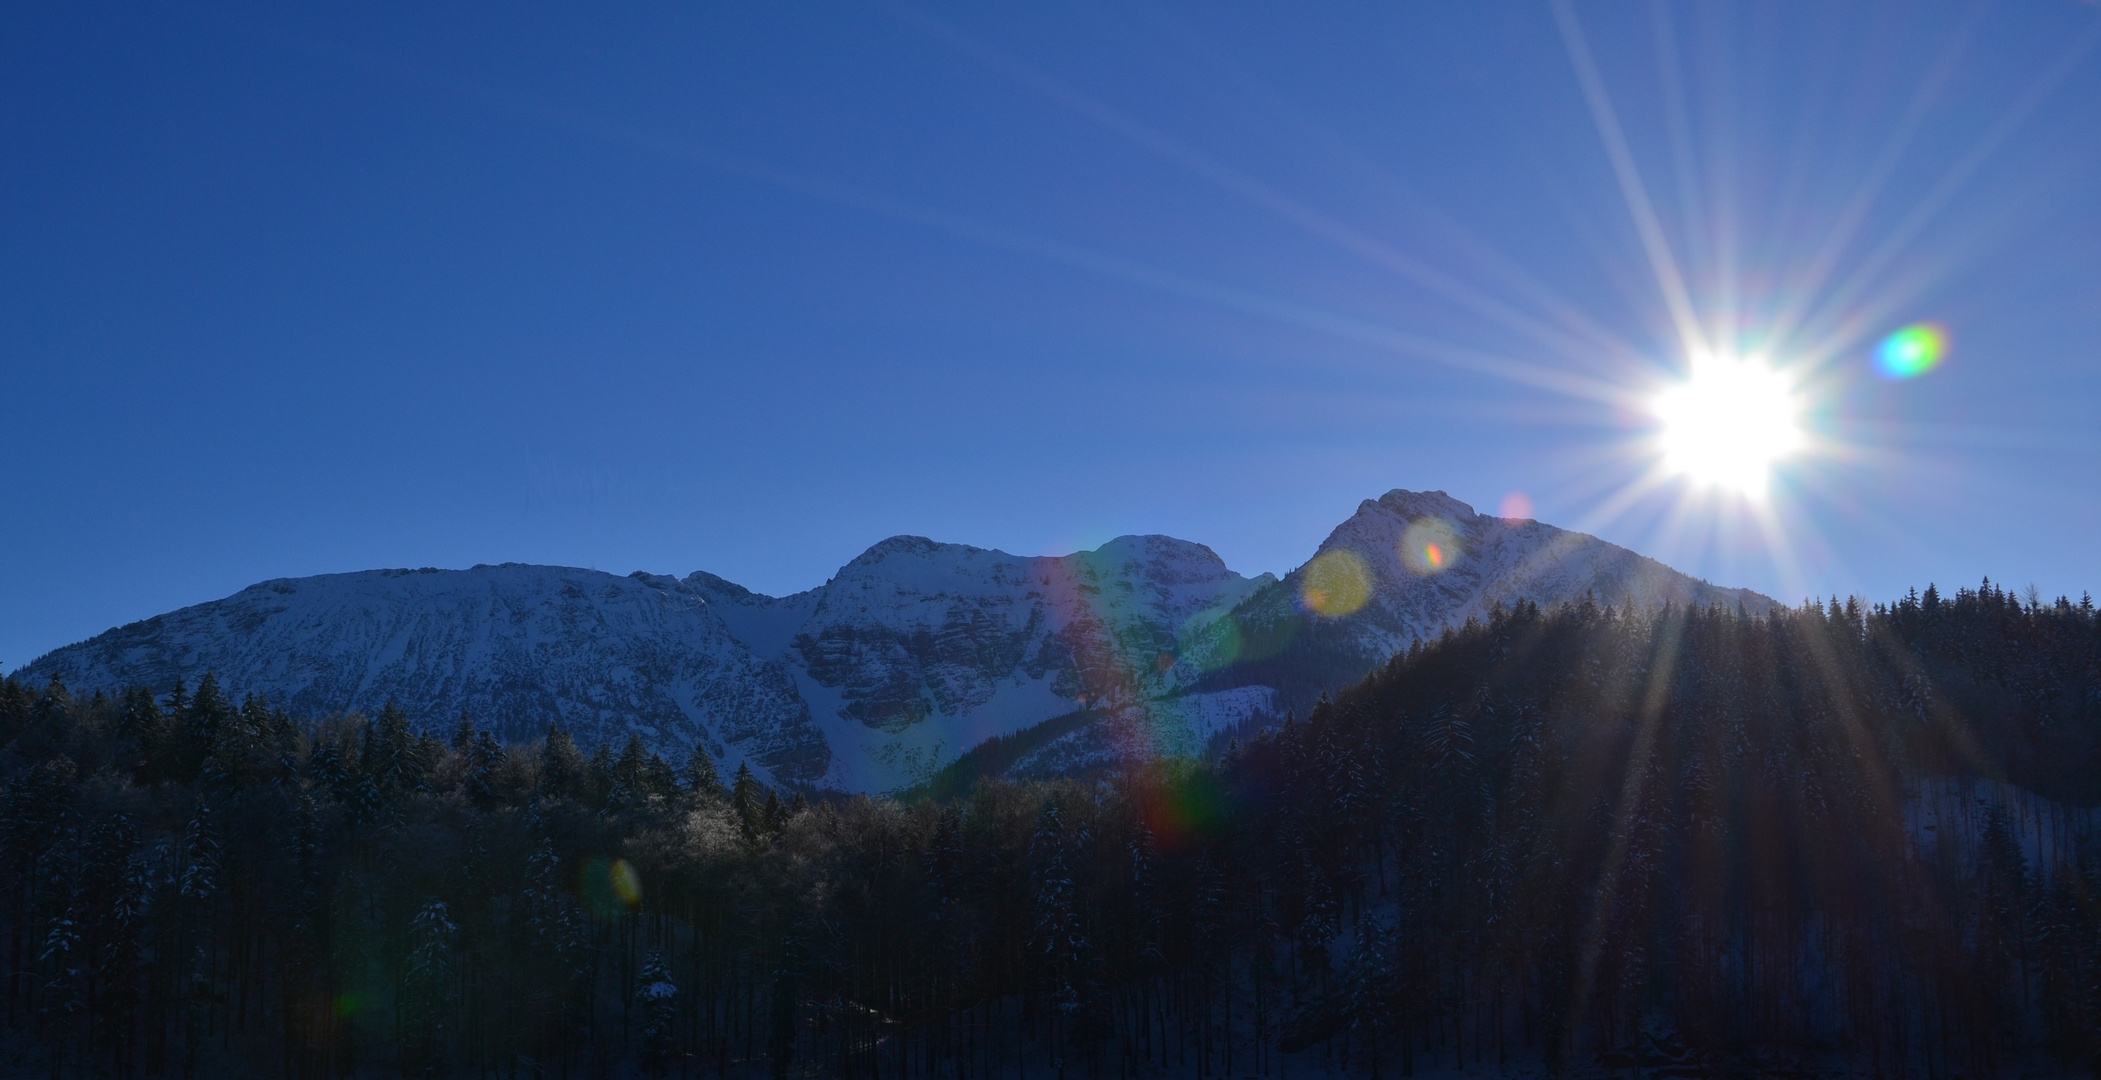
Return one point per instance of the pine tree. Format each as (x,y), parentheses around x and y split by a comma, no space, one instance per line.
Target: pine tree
(628,790)
(746,803)
(598,776)
(558,945)
(36,815)
(702,779)
(16,704)
(142,728)
(62,997)
(771,815)
(1368,990)
(659,780)
(1059,943)
(109,908)
(197,887)
(391,757)
(240,751)
(426,991)
(206,713)
(483,757)
(657,998)
(463,734)
(561,766)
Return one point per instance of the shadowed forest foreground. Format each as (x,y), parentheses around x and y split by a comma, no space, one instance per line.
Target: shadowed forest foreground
(1682,844)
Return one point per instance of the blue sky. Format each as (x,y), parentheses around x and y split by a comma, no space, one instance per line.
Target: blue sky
(680,288)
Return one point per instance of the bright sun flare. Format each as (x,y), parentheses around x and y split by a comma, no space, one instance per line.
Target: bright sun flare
(1728,423)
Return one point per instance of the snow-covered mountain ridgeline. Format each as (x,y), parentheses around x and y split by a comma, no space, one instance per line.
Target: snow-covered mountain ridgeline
(1409,564)
(915,652)
(918,651)
(1404,567)
(514,646)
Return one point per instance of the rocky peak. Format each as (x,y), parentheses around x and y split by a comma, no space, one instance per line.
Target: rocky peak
(1421,504)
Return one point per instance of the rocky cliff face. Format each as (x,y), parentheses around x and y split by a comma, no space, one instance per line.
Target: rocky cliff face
(915,652)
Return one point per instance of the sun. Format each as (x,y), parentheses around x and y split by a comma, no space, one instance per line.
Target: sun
(1729,423)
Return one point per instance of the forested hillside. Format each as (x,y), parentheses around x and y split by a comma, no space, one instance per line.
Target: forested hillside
(1689,842)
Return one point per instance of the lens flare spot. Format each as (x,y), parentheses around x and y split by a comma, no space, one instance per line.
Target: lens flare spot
(1430,546)
(1728,423)
(348,1005)
(1912,351)
(1336,583)
(1517,506)
(627,884)
(1164,663)
(610,887)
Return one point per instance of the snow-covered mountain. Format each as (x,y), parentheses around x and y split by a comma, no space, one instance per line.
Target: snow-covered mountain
(515,646)
(912,654)
(1409,564)
(918,650)
(1404,567)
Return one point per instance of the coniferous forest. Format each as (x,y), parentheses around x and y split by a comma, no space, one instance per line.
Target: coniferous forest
(1581,840)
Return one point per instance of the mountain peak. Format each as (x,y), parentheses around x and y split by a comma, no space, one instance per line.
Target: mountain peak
(720,588)
(906,545)
(1421,504)
(1145,547)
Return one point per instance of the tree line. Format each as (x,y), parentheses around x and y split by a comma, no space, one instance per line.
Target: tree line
(1688,841)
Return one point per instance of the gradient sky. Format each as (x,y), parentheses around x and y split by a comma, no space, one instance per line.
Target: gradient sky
(750,287)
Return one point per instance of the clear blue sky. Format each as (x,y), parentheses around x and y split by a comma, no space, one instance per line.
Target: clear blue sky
(746,288)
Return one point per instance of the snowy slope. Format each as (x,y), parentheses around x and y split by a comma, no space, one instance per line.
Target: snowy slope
(515,646)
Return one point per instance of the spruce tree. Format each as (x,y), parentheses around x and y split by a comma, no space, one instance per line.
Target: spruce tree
(561,765)
(207,712)
(702,779)
(110,908)
(657,998)
(426,991)
(745,802)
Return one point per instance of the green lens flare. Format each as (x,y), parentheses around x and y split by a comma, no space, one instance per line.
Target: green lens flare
(1912,351)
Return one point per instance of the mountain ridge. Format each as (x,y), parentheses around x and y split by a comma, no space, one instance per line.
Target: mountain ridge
(909,656)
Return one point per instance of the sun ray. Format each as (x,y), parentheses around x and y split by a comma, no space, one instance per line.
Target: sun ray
(1779,547)
(1293,312)
(1854,213)
(1486,256)
(1241,184)
(1929,205)
(1691,337)
(1691,211)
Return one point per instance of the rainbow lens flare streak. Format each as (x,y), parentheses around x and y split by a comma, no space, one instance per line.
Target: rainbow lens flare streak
(1912,351)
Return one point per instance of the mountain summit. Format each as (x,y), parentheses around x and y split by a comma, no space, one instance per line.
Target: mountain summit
(912,654)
